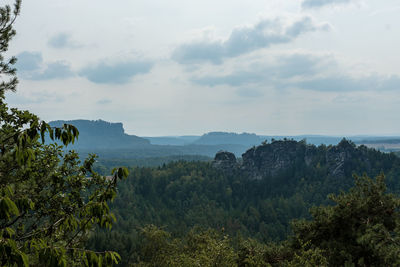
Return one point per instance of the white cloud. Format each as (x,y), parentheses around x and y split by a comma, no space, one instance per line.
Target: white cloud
(115,73)
(32,67)
(246,39)
(63,40)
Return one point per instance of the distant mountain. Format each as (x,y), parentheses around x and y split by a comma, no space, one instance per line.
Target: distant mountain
(100,134)
(109,141)
(246,139)
(218,138)
(333,140)
(380,141)
(385,144)
(155,151)
(173,140)
(250,139)
(311,139)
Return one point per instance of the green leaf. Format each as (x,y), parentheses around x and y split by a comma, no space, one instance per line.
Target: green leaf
(10,231)
(9,207)
(24,259)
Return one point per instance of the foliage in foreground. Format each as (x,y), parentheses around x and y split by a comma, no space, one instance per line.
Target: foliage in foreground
(214,248)
(49,201)
(361,229)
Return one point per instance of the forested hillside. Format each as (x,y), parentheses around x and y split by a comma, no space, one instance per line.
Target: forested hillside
(256,197)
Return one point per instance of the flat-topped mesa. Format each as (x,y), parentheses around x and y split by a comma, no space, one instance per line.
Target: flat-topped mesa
(100,134)
(225,161)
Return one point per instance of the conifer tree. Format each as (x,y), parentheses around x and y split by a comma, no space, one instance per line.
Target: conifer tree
(362,228)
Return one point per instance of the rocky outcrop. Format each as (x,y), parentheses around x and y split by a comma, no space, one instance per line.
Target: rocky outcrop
(225,161)
(337,156)
(269,160)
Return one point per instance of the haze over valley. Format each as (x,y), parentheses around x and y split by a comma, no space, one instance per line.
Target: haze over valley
(109,140)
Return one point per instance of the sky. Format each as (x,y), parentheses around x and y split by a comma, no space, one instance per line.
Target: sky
(182,67)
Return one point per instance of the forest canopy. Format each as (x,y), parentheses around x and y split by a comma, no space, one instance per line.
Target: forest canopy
(192,197)
(360,228)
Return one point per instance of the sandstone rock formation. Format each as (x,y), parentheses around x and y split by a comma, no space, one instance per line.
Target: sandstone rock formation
(270,160)
(226,161)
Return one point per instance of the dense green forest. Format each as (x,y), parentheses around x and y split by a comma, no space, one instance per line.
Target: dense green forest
(105,165)
(361,228)
(183,195)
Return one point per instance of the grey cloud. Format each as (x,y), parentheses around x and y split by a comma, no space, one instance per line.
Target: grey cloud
(199,52)
(244,40)
(345,83)
(104,102)
(391,83)
(251,93)
(301,65)
(303,26)
(29,61)
(38,98)
(32,67)
(322,3)
(334,84)
(234,79)
(54,70)
(303,71)
(62,40)
(118,73)
(338,83)
(284,67)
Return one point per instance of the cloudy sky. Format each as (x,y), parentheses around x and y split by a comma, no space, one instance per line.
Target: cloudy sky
(187,67)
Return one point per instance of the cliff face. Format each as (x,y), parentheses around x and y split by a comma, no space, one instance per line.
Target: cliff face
(100,134)
(95,128)
(337,158)
(225,161)
(270,160)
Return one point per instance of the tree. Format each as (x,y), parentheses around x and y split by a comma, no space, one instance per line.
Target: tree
(49,200)
(197,248)
(362,229)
